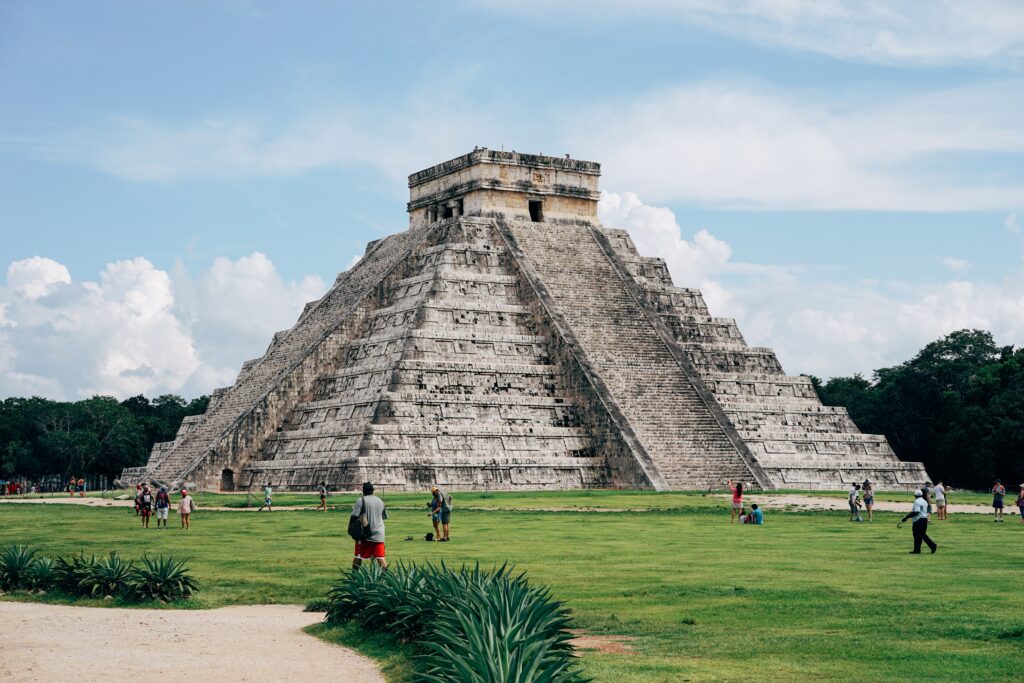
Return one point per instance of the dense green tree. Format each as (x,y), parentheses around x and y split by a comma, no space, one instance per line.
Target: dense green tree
(957,406)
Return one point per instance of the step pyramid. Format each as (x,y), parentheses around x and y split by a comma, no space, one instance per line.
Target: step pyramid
(508,340)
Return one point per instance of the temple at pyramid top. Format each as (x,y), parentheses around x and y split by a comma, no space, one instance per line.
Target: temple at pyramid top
(509,340)
(515,186)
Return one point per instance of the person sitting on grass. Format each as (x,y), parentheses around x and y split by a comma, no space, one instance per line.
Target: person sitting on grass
(743,516)
(323,496)
(185,509)
(756,514)
(268,494)
(737,499)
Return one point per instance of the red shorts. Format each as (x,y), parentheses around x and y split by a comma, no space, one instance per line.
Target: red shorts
(368,550)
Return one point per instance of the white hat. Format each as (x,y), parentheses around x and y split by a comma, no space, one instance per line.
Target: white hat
(918,493)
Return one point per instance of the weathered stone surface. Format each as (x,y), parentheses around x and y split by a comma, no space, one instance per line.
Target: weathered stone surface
(508,340)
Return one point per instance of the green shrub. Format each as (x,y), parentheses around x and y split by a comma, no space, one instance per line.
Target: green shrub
(71,574)
(110,575)
(15,564)
(473,625)
(162,578)
(41,574)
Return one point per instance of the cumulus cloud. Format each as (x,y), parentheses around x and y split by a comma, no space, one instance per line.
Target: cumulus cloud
(815,325)
(138,329)
(901,32)
(741,145)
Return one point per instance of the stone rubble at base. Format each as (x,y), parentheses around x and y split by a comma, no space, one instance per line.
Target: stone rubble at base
(508,340)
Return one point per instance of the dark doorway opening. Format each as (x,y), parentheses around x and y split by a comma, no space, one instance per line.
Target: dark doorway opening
(536,211)
(227,480)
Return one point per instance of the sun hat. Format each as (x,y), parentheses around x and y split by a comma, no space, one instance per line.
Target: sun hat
(919,493)
(184,492)
(433,489)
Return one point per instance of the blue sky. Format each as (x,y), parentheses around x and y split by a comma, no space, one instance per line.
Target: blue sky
(176,179)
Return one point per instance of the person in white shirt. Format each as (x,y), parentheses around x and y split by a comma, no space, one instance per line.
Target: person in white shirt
(940,500)
(919,515)
(854,500)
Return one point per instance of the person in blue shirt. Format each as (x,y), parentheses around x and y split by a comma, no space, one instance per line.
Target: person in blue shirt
(757,514)
(919,514)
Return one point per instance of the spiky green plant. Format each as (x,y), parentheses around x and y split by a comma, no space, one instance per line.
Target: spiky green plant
(71,574)
(474,625)
(15,564)
(162,578)
(108,575)
(41,574)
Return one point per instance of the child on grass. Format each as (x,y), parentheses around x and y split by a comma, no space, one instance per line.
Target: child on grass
(185,509)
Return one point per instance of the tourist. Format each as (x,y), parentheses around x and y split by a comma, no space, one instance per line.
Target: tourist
(163,506)
(737,499)
(927,491)
(854,500)
(146,505)
(81,488)
(756,514)
(323,496)
(435,513)
(919,513)
(998,491)
(71,486)
(743,515)
(444,511)
(185,509)
(1020,503)
(138,499)
(370,510)
(940,500)
(868,492)
(268,494)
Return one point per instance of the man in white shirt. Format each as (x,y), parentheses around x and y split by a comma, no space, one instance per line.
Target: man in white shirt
(919,514)
(854,499)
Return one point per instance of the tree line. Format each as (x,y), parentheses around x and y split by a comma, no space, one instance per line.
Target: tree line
(98,435)
(957,406)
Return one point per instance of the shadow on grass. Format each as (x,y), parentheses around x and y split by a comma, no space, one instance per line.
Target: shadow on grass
(393,656)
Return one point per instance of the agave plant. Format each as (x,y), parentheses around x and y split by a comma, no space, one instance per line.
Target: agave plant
(71,574)
(107,576)
(483,625)
(162,578)
(15,564)
(41,574)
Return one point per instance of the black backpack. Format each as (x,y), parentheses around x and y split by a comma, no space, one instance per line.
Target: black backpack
(356,529)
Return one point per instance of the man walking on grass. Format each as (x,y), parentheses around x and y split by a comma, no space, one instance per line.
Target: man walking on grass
(854,499)
(919,515)
(268,494)
(370,511)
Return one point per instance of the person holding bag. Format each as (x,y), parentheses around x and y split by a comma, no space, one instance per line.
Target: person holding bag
(366,527)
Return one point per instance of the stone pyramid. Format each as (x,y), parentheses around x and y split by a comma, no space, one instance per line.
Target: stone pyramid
(508,340)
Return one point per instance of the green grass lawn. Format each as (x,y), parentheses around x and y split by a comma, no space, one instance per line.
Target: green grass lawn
(808,596)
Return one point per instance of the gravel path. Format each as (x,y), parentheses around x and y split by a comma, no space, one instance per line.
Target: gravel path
(252,643)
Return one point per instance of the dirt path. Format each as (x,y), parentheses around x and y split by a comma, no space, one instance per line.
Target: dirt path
(254,643)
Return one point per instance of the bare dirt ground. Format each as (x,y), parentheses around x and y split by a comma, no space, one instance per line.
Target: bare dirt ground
(252,643)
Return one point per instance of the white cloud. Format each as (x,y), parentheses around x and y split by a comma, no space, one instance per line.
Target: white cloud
(745,146)
(136,329)
(956,265)
(895,32)
(815,325)
(1012,223)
